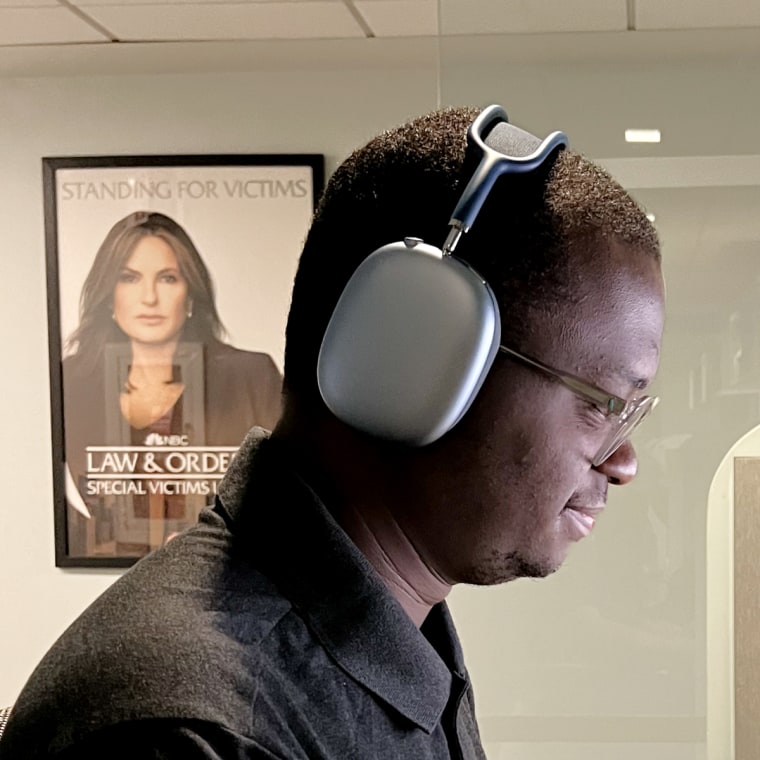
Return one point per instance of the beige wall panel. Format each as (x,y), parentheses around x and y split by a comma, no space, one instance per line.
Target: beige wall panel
(747,610)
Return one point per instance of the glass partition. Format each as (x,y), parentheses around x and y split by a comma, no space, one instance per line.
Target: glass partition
(629,651)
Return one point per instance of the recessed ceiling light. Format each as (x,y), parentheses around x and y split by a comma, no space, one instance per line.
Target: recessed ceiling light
(642,135)
(651,216)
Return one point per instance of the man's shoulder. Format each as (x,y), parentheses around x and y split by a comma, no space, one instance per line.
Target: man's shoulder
(198,599)
(182,635)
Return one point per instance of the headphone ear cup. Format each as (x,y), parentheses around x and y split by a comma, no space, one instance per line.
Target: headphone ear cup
(409,344)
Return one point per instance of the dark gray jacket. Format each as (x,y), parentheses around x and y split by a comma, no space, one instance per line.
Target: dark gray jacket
(260,633)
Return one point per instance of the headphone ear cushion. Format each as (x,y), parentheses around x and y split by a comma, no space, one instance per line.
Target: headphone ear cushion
(409,344)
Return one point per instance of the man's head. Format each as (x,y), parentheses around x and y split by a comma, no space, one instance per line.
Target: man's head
(574,265)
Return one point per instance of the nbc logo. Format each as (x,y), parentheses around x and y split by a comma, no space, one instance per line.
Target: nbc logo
(156,439)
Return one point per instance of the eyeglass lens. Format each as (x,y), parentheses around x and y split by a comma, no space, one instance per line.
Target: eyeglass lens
(621,432)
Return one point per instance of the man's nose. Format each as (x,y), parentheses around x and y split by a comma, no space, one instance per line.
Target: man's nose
(621,466)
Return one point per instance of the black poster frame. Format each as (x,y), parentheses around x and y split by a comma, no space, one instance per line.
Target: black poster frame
(147,166)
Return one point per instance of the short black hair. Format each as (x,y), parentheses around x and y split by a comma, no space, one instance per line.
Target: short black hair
(406,182)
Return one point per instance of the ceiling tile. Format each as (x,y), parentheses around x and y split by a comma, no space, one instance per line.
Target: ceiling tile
(400,18)
(49,25)
(696,14)
(532,16)
(152,3)
(29,4)
(232,21)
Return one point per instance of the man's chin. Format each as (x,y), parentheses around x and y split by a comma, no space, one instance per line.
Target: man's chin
(510,568)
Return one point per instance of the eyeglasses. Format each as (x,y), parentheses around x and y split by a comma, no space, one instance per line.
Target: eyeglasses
(624,415)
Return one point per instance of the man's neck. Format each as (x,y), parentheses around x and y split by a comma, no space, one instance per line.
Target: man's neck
(357,483)
(379,537)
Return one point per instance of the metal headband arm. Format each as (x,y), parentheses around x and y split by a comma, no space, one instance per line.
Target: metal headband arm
(492,165)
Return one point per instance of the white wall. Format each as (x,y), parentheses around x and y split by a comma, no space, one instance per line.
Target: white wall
(606,657)
(321,112)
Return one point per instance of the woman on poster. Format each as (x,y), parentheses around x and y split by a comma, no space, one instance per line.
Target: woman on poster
(147,366)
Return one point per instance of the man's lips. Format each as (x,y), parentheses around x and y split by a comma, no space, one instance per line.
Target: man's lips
(580,520)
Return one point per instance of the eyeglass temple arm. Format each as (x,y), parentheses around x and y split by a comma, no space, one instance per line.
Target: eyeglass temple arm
(492,165)
(612,404)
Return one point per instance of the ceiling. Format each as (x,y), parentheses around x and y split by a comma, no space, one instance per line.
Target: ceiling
(110,22)
(42,37)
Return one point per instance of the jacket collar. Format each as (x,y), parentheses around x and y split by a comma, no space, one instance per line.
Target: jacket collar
(281,524)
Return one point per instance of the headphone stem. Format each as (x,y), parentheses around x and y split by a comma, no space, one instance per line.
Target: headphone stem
(456,232)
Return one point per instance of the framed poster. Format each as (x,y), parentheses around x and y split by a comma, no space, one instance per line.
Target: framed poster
(169,281)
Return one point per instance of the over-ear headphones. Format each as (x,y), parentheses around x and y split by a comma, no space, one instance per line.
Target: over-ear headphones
(416,329)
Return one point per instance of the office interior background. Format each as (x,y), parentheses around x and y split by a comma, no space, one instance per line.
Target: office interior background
(645,643)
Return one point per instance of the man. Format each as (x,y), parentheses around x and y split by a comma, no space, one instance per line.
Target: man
(304,617)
